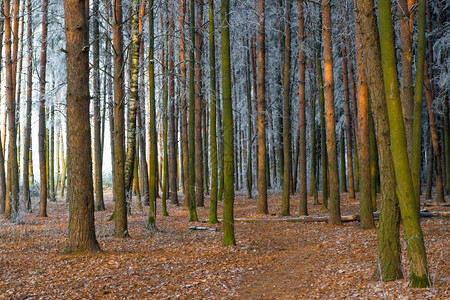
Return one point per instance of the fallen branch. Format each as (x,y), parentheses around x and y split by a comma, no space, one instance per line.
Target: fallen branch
(203,228)
(436,204)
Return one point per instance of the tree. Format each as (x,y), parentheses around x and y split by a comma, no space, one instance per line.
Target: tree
(302,115)
(365,199)
(81,213)
(152,121)
(287,115)
(261,119)
(335,210)
(389,260)
(121,226)
(27,137)
(191,178)
(213,136)
(228,200)
(198,107)
(99,203)
(419,276)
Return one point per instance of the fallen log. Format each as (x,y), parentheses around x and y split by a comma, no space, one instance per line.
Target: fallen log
(436,204)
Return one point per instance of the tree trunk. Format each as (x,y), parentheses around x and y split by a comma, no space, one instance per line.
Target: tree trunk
(184,105)
(228,201)
(249,171)
(192,170)
(302,115)
(152,122)
(27,137)
(81,213)
(335,211)
(121,226)
(165,174)
(285,201)
(99,203)
(261,119)
(213,138)
(407,88)
(199,107)
(323,149)
(343,173)
(348,119)
(172,124)
(363,144)
(389,261)
(419,276)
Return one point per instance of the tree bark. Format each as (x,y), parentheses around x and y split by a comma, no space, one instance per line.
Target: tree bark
(199,107)
(335,211)
(81,213)
(419,276)
(228,201)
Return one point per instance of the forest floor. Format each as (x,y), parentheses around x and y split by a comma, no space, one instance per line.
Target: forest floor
(272,260)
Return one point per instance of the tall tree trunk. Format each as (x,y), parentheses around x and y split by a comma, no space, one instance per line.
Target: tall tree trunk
(434,137)
(27,137)
(419,276)
(152,122)
(285,201)
(343,172)
(335,211)
(365,200)
(184,104)
(121,226)
(261,119)
(348,119)
(172,123)
(228,201)
(165,125)
(192,148)
(213,117)
(43,69)
(199,107)
(99,203)
(416,151)
(249,171)
(388,267)
(81,213)
(12,200)
(407,88)
(302,105)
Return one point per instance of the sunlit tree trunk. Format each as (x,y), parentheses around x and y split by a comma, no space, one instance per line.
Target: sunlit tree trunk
(388,267)
(81,213)
(365,200)
(121,226)
(313,173)
(335,211)
(419,276)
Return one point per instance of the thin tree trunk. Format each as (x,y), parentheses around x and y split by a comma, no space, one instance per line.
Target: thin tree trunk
(302,115)
(213,137)
(121,226)
(99,203)
(27,137)
(198,107)
(261,119)
(249,172)
(192,171)
(285,201)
